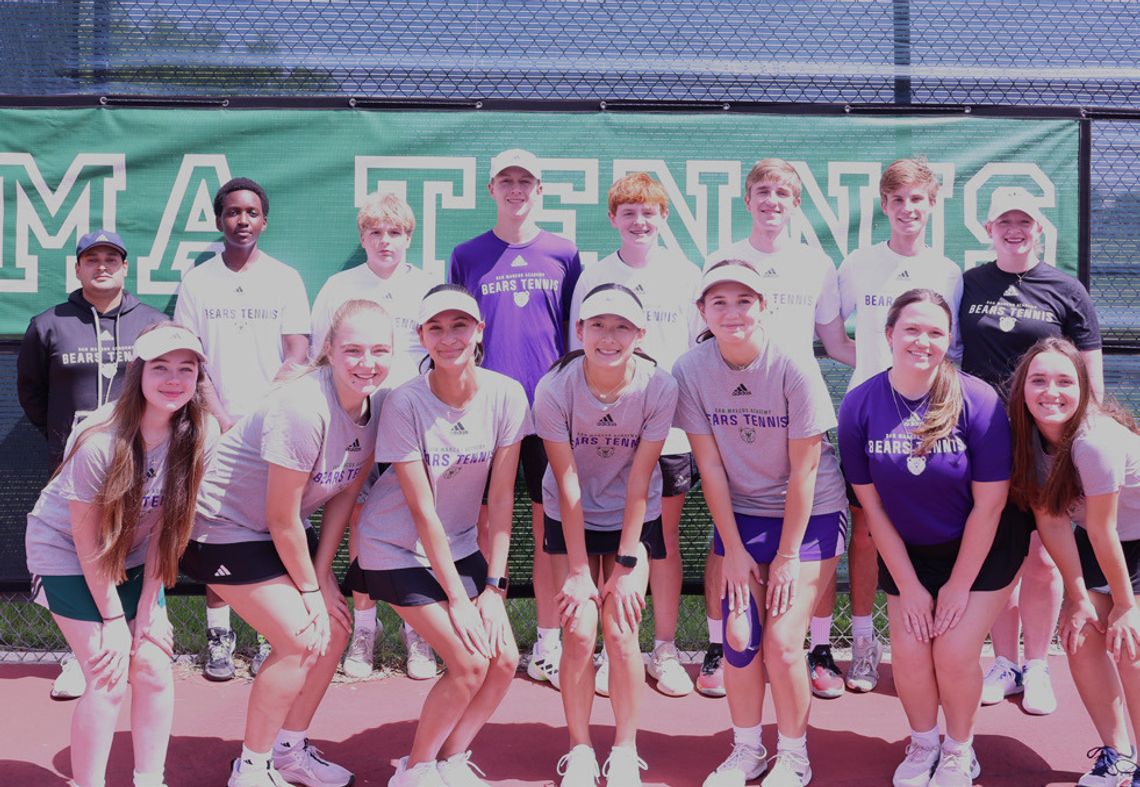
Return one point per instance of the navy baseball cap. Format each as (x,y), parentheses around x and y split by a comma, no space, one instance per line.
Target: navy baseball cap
(100,238)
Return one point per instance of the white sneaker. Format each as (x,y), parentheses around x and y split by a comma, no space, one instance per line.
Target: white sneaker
(917,767)
(420,663)
(602,676)
(863,674)
(426,774)
(623,767)
(359,657)
(1039,698)
(264,650)
(1003,679)
(304,765)
(666,668)
(743,764)
(578,767)
(543,663)
(250,777)
(458,771)
(791,769)
(957,768)
(70,683)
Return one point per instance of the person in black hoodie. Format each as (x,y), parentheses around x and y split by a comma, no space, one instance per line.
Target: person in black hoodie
(73,359)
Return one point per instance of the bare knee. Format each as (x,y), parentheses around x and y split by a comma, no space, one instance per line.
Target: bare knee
(951,660)
(469,671)
(621,642)
(150,670)
(782,652)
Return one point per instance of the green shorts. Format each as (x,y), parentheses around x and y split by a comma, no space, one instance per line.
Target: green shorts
(69,597)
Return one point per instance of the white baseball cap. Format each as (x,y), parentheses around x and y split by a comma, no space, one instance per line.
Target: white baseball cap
(616,300)
(446,300)
(1006,199)
(516,157)
(741,274)
(167,338)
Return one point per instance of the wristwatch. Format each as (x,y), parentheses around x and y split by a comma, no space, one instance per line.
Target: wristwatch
(499,583)
(626,561)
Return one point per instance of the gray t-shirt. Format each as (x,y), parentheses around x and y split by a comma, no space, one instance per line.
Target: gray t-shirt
(49,542)
(752,414)
(604,437)
(299,426)
(456,448)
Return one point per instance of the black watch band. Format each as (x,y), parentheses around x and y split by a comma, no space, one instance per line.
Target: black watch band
(626,561)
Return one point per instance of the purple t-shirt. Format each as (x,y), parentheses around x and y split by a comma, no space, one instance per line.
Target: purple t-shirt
(927,502)
(524,295)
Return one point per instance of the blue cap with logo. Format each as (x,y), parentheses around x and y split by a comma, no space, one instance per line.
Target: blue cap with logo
(100,238)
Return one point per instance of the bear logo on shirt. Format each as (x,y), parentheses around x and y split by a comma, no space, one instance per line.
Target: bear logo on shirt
(522,299)
(605,451)
(1007,323)
(748,434)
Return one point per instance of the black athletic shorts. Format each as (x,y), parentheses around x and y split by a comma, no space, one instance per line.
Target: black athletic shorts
(603,542)
(532,466)
(415,587)
(934,562)
(243,563)
(678,474)
(1094,577)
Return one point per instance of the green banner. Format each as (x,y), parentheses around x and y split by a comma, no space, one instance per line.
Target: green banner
(151,174)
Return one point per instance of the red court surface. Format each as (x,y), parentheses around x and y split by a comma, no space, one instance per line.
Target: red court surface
(366,726)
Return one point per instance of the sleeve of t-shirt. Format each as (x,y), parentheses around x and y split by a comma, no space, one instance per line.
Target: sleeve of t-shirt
(662,407)
(690,415)
(827,307)
(455,269)
(570,283)
(550,403)
(1081,325)
(810,411)
(81,477)
(954,288)
(988,441)
(320,320)
(292,433)
(693,314)
(514,415)
(296,307)
(397,438)
(853,439)
(1100,463)
(845,281)
(580,290)
(185,308)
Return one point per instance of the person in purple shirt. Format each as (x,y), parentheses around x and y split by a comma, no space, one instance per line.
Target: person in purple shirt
(523,277)
(923,431)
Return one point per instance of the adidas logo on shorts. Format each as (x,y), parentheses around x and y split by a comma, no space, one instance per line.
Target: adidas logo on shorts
(741,390)
(355,445)
(222,572)
(770,273)
(458,428)
(607,420)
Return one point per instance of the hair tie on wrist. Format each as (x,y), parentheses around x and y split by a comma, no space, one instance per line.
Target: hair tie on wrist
(113,618)
(314,590)
(793,556)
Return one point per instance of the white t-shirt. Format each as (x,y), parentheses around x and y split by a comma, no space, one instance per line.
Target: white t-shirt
(869,281)
(668,287)
(801,291)
(400,295)
(240,318)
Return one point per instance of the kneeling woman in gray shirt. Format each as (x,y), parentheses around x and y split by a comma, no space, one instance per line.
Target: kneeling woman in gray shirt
(309,444)
(450,435)
(756,418)
(603,414)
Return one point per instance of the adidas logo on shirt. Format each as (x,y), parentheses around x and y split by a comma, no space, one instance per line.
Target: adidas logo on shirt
(355,445)
(741,390)
(458,428)
(239,290)
(387,296)
(639,289)
(106,336)
(607,420)
(222,572)
(770,273)
(1011,292)
(518,262)
(903,275)
(151,472)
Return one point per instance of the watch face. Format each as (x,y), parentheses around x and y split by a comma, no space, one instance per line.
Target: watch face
(627,561)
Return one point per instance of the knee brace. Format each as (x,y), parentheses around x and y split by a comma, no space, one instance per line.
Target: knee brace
(737,658)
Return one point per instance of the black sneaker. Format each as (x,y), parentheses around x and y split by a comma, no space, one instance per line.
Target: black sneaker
(710,681)
(825,677)
(220,645)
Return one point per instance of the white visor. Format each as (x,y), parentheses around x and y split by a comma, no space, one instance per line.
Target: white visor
(741,274)
(613,301)
(447,300)
(168,338)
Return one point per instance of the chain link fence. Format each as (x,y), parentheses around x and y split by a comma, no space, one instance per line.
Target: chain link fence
(869,54)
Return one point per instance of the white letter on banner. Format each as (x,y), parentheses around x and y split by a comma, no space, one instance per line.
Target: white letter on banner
(199,220)
(975,214)
(695,221)
(441,190)
(564,190)
(945,172)
(77,221)
(838,220)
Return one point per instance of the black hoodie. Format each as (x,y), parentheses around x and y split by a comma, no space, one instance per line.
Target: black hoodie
(58,370)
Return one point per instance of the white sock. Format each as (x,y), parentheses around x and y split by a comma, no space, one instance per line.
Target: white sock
(1038,662)
(364,619)
(149,779)
(863,626)
(547,638)
(289,739)
(928,739)
(659,642)
(218,617)
(749,736)
(820,632)
(784,743)
(949,744)
(256,760)
(716,630)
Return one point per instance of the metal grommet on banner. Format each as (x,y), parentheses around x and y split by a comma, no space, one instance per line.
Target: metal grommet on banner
(726,106)
(225,103)
(847,109)
(602,105)
(352,102)
(966,110)
(478,104)
(103,100)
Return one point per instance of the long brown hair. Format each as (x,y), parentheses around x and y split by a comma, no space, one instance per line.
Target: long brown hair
(120,497)
(1063,485)
(945,403)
